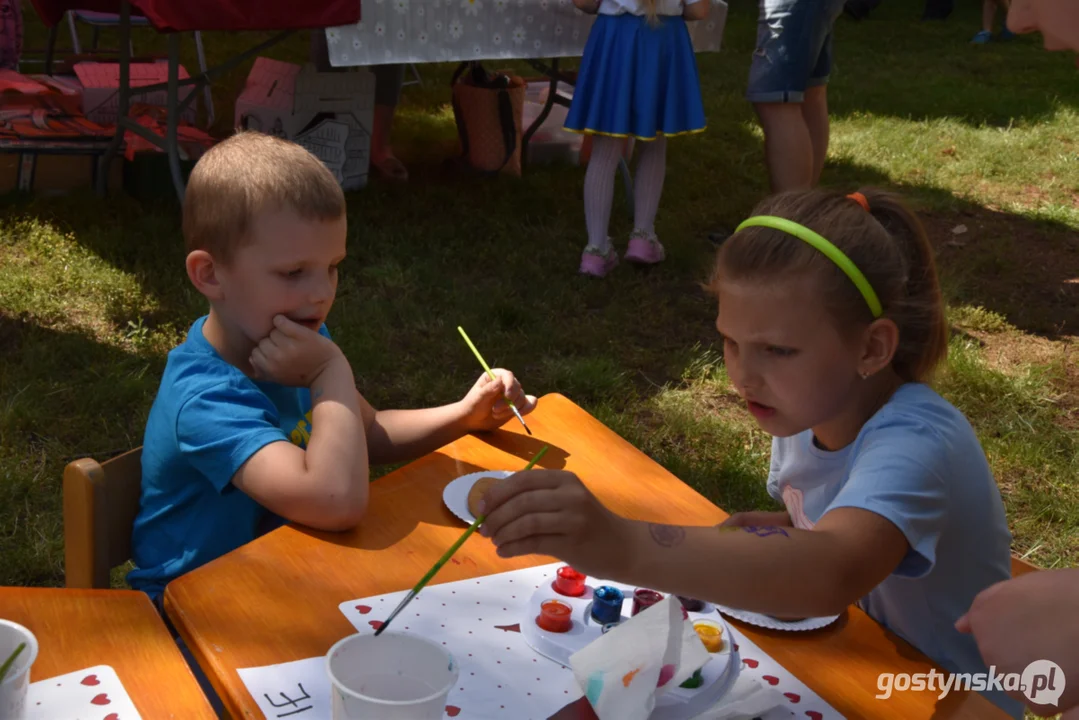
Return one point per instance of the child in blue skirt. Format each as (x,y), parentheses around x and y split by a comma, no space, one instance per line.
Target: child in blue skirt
(638,79)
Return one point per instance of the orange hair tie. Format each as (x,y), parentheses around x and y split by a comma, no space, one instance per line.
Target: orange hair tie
(860,199)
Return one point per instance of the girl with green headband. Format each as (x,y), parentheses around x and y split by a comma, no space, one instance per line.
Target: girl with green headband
(832,324)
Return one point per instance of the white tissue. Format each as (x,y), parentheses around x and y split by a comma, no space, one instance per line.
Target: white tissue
(746,699)
(619,673)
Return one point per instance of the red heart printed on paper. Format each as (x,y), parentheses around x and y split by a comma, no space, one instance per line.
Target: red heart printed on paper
(814,714)
(364,609)
(91,680)
(751,662)
(453,710)
(736,647)
(771,679)
(376,624)
(793,697)
(112,716)
(102,699)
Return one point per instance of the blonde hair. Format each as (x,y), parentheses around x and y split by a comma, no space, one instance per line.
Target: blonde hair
(651,12)
(249,173)
(889,246)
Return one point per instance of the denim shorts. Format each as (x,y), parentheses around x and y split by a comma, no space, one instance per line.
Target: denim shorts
(794,49)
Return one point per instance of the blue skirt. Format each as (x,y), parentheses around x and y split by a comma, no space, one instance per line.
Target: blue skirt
(637,80)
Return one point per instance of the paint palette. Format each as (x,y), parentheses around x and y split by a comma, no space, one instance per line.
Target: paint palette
(482,621)
(676,703)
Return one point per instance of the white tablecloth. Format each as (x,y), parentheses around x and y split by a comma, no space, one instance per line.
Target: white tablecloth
(419,31)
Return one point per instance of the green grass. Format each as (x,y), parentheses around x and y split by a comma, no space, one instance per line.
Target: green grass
(93,294)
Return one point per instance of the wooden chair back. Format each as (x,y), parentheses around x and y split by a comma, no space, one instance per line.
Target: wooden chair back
(100,505)
(1021,567)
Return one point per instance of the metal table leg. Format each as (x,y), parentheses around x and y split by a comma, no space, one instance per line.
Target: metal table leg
(175,107)
(552,72)
(123,98)
(172,146)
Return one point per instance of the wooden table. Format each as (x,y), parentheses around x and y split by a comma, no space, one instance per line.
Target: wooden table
(78,629)
(275,600)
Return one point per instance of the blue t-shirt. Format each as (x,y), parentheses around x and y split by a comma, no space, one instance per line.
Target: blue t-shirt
(207,420)
(918,463)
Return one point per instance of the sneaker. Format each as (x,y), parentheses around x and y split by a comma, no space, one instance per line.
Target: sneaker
(1006,34)
(595,263)
(982,38)
(644,249)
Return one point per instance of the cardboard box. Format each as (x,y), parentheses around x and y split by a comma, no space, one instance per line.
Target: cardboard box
(329,113)
(265,104)
(101,88)
(551,143)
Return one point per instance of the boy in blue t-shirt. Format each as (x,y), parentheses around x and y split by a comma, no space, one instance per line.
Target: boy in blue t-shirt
(257,420)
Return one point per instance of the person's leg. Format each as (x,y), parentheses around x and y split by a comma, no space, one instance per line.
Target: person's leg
(792,55)
(989,13)
(648,184)
(815,102)
(815,115)
(788,146)
(1005,6)
(389,80)
(644,247)
(599,257)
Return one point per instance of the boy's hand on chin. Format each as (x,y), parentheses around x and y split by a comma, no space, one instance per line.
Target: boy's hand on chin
(293,355)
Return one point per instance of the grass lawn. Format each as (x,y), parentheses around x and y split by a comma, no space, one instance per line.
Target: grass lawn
(93,294)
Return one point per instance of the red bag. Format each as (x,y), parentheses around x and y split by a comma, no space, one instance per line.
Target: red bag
(488,109)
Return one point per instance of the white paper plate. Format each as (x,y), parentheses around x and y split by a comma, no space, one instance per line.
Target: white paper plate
(765,621)
(455,495)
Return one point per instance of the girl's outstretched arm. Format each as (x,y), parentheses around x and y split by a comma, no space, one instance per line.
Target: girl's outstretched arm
(776,570)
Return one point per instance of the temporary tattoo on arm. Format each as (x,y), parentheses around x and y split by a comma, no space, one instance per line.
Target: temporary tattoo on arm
(765,530)
(758,530)
(667,535)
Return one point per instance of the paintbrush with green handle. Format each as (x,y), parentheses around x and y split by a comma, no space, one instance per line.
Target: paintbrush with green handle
(491,373)
(10,661)
(449,553)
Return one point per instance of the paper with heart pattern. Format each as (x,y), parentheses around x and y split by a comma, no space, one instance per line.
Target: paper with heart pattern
(92,694)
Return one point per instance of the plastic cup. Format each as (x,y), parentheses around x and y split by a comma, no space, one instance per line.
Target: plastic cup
(17,681)
(393,676)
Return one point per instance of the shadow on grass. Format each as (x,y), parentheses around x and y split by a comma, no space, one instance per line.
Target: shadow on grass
(1025,270)
(893,64)
(62,396)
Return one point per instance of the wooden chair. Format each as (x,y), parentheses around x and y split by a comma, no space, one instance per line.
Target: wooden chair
(100,505)
(1021,567)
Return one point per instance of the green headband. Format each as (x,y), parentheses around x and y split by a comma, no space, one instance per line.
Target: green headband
(831,251)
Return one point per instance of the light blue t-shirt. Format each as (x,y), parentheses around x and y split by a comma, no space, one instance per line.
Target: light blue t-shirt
(207,420)
(918,463)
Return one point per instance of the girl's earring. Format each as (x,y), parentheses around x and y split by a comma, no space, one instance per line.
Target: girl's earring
(864,375)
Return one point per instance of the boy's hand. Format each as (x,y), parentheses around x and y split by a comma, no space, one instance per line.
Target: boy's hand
(293,355)
(485,406)
(551,512)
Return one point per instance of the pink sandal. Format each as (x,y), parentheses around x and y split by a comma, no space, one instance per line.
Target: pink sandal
(645,249)
(595,264)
